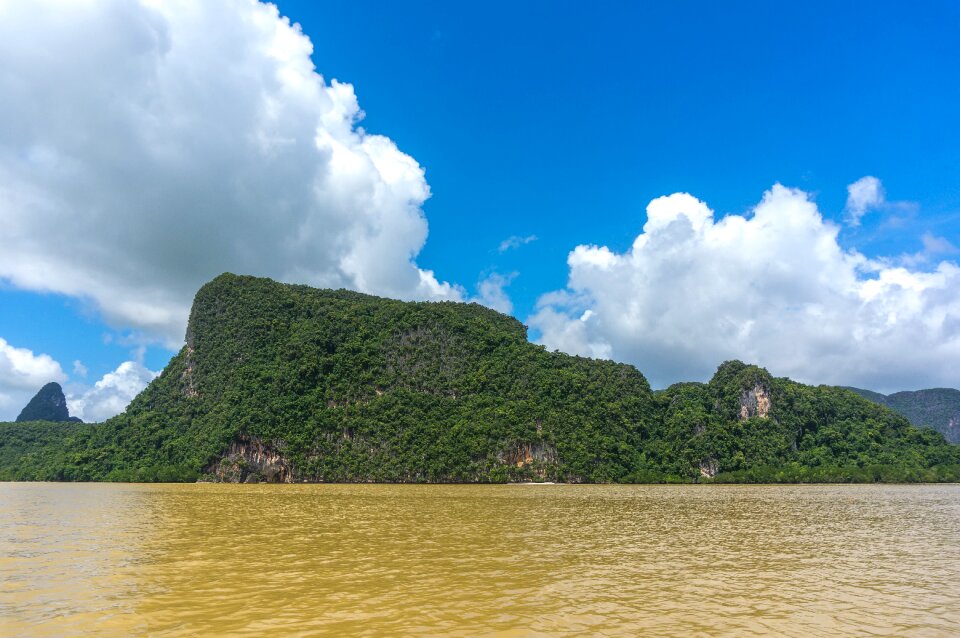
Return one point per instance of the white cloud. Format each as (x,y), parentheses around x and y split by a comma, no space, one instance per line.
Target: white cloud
(110,395)
(79,369)
(774,288)
(515,241)
(862,195)
(145,147)
(22,374)
(933,246)
(491,293)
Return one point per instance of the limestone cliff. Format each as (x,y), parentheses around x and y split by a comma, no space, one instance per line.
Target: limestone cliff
(49,404)
(537,456)
(250,460)
(755,402)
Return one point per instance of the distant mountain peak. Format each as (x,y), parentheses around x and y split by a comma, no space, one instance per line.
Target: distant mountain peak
(49,404)
(937,408)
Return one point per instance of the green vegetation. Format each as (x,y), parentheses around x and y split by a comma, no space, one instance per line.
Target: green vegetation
(809,434)
(35,450)
(937,408)
(282,382)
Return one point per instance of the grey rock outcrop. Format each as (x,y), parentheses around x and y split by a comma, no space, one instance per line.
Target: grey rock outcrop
(250,460)
(49,404)
(754,402)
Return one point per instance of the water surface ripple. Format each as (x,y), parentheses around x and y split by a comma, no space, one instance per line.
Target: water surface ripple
(513,560)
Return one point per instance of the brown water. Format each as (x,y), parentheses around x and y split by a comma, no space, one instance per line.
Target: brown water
(184,560)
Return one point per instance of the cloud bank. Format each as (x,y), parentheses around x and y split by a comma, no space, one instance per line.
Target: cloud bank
(111,394)
(145,147)
(23,373)
(773,287)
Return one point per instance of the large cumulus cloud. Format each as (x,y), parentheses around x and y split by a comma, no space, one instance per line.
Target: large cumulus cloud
(23,372)
(111,394)
(145,147)
(773,287)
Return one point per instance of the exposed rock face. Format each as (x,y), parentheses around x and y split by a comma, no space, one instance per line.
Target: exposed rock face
(48,404)
(533,455)
(709,467)
(754,402)
(951,429)
(250,460)
(187,383)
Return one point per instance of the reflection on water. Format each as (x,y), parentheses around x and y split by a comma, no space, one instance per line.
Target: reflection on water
(478,560)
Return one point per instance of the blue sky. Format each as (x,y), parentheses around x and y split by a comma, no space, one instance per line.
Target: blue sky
(564,120)
(556,121)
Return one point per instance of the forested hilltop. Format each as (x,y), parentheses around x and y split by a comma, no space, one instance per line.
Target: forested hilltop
(289,383)
(937,408)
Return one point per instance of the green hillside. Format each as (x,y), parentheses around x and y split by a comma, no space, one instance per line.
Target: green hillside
(937,408)
(289,383)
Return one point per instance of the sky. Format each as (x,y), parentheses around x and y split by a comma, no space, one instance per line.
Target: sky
(665,184)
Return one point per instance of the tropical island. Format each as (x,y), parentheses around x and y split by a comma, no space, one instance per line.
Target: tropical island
(287,383)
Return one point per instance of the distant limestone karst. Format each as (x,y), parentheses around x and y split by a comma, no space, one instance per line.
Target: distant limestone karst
(49,404)
(937,408)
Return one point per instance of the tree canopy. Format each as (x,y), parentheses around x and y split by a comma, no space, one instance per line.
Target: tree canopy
(341,386)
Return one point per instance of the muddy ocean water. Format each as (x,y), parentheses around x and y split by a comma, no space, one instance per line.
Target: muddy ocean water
(460,560)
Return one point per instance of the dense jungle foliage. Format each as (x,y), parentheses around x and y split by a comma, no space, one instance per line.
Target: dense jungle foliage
(341,386)
(937,408)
